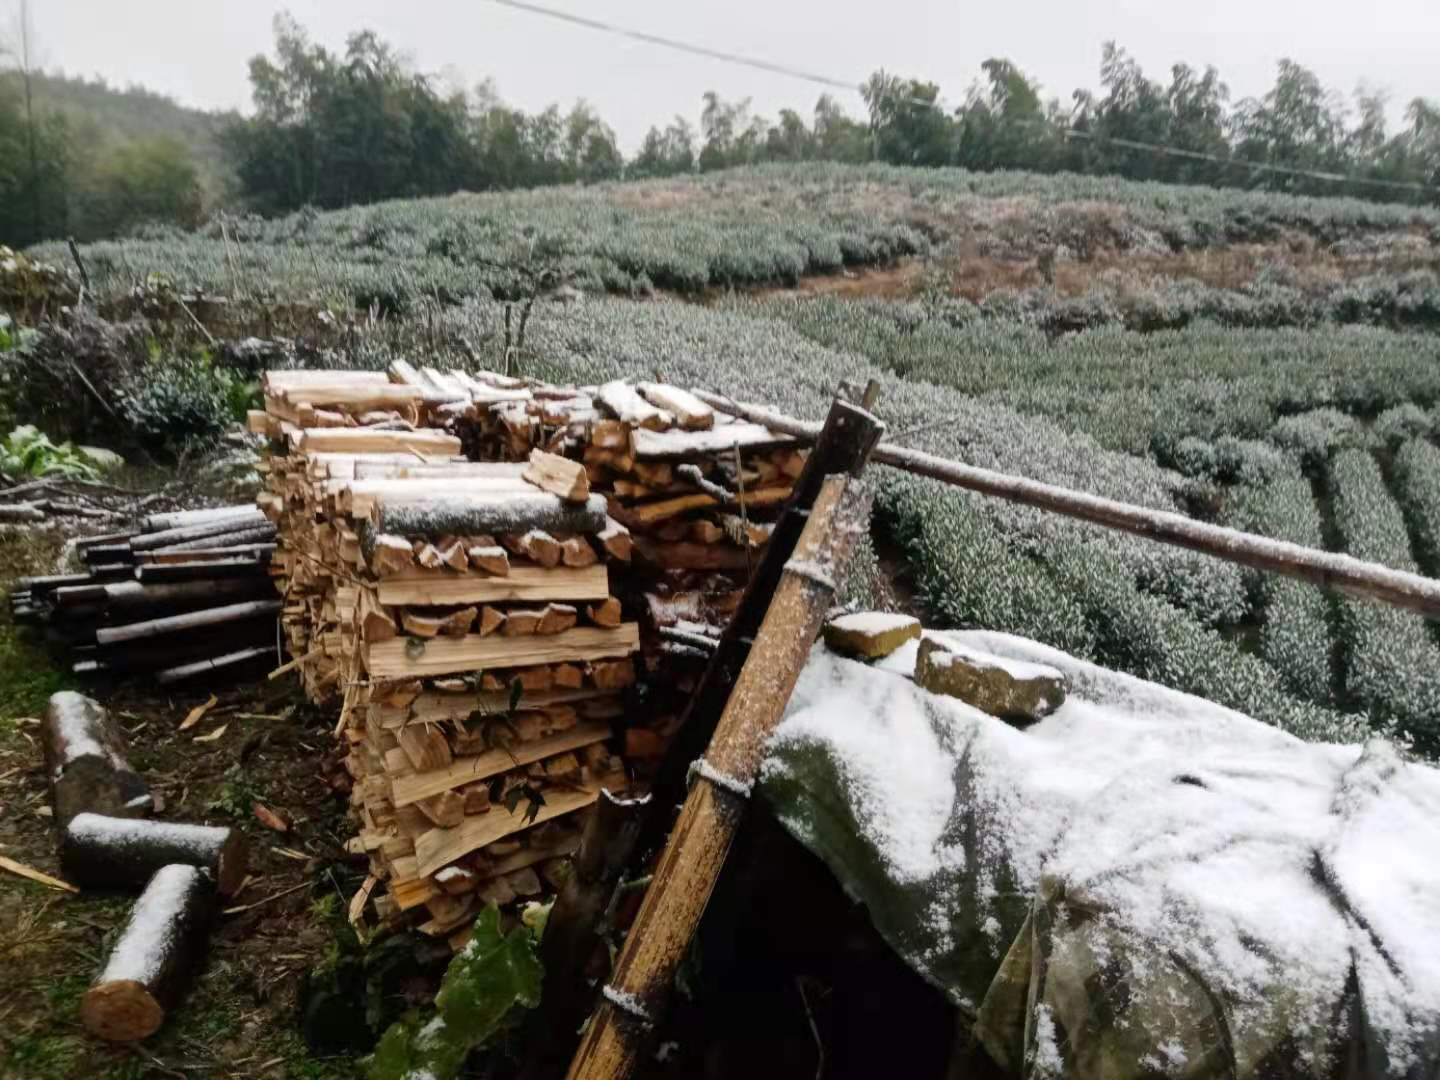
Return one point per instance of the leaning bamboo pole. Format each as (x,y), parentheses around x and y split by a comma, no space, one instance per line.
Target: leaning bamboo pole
(1330,570)
(620,1028)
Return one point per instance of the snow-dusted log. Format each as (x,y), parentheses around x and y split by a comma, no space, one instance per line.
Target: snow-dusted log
(85,762)
(1329,570)
(101,852)
(151,964)
(468,516)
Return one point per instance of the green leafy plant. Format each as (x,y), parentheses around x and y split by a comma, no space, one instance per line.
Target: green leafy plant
(485,982)
(27,451)
(177,402)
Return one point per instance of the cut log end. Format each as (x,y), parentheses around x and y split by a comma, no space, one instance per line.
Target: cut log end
(121,1011)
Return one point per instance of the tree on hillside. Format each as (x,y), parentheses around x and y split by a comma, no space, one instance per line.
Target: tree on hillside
(666,153)
(1299,124)
(906,121)
(837,137)
(1004,125)
(338,129)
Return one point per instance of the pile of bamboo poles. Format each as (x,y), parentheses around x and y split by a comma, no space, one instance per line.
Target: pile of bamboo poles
(461,614)
(185,596)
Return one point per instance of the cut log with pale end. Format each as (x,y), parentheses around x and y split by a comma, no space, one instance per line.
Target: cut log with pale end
(425,746)
(152,962)
(98,851)
(690,412)
(557,618)
(490,558)
(616,540)
(85,762)
(605,613)
(623,402)
(576,551)
(538,546)
(391,555)
(559,476)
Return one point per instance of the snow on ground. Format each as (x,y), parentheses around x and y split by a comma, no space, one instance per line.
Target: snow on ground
(1192,853)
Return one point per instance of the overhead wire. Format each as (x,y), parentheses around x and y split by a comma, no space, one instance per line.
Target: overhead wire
(775,68)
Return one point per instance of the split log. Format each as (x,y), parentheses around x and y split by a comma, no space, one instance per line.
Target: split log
(443,656)
(100,852)
(538,546)
(559,476)
(690,412)
(85,762)
(522,583)
(151,964)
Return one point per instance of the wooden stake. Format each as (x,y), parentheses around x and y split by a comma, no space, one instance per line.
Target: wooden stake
(618,1034)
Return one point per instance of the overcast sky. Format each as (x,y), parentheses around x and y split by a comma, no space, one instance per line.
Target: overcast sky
(195,50)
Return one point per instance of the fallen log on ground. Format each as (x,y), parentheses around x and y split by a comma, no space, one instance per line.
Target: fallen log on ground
(151,964)
(100,852)
(85,762)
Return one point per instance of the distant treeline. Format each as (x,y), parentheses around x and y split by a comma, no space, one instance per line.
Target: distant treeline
(332,129)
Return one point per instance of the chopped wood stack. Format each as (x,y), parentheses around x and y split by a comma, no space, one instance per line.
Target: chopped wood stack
(691,497)
(461,615)
(144,594)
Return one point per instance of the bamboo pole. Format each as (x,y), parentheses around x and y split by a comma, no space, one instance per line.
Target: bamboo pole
(1329,570)
(619,1031)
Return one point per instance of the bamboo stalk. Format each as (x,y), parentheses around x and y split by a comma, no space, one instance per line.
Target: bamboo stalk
(1329,570)
(619,1031)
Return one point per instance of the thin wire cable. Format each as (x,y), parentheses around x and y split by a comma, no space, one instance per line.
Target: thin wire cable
(841,84)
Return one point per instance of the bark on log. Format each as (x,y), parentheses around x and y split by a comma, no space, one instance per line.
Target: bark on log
(463,516)
(182,518)
(151,964)
(255,534)
(193,620)
(206,570)
(211,665)
(130,598)
(206,530)
(85,762)
(101,852)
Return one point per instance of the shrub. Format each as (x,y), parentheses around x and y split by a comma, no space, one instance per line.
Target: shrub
(1315,435)
(1295,636)
(180,403)
(1417,482)
(1392,665)
(1401,422)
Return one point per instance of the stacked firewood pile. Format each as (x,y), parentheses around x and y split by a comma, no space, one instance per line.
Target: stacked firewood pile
(186,595)
(479,622)
(460,613)
(695,493)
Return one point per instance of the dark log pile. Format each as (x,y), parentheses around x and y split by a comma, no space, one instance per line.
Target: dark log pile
(144,594)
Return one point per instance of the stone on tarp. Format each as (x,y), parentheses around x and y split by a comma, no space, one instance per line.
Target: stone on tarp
(870,635)
(1011,689)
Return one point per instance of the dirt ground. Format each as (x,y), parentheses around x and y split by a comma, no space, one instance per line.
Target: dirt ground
(240,1019)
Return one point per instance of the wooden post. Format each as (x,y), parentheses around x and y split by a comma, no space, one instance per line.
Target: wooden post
(844,445)
(619,1030)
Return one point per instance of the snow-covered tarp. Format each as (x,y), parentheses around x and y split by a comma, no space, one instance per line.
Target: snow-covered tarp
(1141,884)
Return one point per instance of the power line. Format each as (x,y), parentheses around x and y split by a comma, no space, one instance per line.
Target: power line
(841,84)
(682,46)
